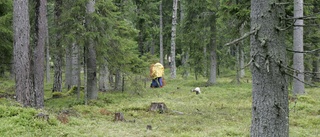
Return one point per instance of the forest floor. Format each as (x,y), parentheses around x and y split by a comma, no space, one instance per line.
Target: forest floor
(223,109)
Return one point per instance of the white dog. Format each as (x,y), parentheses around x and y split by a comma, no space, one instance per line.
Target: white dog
(197,90)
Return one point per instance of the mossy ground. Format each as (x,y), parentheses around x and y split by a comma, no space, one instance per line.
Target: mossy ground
(223,109)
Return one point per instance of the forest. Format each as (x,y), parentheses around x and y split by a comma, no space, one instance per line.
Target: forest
(229,68)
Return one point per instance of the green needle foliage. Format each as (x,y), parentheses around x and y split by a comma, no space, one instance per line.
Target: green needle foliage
(6,35)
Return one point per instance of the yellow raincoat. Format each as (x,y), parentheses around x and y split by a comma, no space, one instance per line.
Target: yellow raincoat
(156,70)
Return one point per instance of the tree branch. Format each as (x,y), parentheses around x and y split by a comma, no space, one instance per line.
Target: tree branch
(310,51)
(284,3)
(255,30)
(247,65)
(300,18)
(300,80)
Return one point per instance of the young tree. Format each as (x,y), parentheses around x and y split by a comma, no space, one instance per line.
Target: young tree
(298,85)
(21,32)
(173,39)
(270,111)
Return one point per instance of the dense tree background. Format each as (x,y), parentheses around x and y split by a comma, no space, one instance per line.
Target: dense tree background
(115,43)
(109,44)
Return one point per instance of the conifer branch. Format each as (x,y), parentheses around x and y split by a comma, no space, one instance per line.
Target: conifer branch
(300,80)
(297,71)
(247,65)
(310,51)
(255,30)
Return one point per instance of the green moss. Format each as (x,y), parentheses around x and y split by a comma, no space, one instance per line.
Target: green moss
(58,95)
(73,90)
(223,109)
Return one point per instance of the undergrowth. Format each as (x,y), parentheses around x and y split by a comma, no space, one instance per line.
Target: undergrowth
(223,109)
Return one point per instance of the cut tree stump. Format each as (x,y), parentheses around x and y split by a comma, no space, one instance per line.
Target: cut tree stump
(118,116)
(158,106)
(43,116)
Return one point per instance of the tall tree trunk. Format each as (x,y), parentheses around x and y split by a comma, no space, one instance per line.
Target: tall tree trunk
(173,40)
(152,48)
(161,35)
(58,54)
(21,32)
(85,69)
(315,67)
(117,84)
(48,77)
(238,45)
(39,52)
(270,111)
(185,53)
(75,69)
(241,52)
(92,92)
(68,67)
(104,77)
(298,86)
(213,55)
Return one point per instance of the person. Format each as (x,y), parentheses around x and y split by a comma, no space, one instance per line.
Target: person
(156,73)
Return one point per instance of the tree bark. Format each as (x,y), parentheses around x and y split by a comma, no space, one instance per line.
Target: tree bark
(186,49)
(213,55)
(48,76)
(161,35)
(316,68)
(270,111)
(118,77)
(241,52)
(68,67)
(21,45)
(39,53)
(58,54)
(104,77)
(173,40)
(298,86)
(92,92)
(75,67)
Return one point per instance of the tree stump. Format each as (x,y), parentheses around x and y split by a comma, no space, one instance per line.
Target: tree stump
(158,106)
(149,127)
(43,116)
(118,116)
